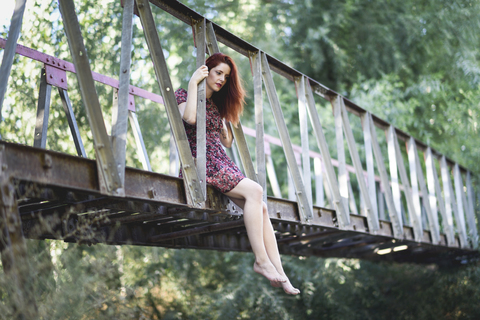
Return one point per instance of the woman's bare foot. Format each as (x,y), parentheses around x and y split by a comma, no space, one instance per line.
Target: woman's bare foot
(287,286)
(289,289)
(268,271)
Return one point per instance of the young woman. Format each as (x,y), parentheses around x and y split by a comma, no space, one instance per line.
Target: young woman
(225,99)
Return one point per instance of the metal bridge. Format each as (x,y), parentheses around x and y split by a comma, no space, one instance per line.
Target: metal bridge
(420,211)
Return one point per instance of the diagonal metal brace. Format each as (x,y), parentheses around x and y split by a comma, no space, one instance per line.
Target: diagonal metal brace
(105,160)
(193,187)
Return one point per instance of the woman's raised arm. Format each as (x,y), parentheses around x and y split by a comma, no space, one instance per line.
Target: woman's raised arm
(188,109)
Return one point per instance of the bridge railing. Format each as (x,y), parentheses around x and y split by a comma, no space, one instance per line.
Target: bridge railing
(412,196)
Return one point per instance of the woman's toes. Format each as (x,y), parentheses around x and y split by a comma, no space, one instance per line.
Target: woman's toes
(289,289)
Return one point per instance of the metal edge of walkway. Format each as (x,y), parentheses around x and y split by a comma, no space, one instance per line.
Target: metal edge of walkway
(59,198)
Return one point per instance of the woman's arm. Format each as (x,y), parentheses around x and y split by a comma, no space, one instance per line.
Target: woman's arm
(188,109)
(226,135)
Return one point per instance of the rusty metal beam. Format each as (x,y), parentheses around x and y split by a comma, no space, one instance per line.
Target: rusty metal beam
(199,230)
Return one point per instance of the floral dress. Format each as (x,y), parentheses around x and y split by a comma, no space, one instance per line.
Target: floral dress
(222,172)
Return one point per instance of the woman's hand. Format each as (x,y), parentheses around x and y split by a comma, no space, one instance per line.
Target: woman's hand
(200,74)
(226,135)
(188,109)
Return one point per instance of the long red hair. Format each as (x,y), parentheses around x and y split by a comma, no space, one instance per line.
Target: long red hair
(231,98)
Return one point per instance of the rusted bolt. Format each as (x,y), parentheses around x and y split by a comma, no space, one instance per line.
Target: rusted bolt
(48,59)
(47,161)
(62,80)
(124,70)
(51,76)
(152,193)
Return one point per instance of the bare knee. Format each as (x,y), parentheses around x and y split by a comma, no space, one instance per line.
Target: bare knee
(265,208)
(256,192)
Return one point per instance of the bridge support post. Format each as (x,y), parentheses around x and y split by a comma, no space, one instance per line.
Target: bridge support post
(238,134)
(391,195)
(435,194)
(305,210)
(72,123)
(120,109)
(14,255)
(332,189)
(200,41)
(43,111)
(10,48)
(107,166)
(451,203)
(260,160)
(190,175)
(372,214)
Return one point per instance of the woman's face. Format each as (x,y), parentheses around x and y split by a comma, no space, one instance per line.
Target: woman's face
(217,77)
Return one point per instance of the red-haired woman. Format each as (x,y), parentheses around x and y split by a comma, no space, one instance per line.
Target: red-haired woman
(225,99)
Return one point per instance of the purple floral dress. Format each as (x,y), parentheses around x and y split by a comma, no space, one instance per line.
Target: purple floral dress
(222,172)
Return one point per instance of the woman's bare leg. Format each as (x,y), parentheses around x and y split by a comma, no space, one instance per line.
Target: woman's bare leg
(273,253)
(252,194)
(268,234)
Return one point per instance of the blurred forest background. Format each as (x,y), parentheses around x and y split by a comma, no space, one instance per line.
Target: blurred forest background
(413,63)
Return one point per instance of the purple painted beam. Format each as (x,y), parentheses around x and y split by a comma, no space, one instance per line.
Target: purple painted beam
(68,66)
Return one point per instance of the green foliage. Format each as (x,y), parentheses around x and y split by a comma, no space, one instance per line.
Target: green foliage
(124,282)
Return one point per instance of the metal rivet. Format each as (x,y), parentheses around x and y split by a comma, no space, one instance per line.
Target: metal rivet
(168,89)
(152,193)
(47,161)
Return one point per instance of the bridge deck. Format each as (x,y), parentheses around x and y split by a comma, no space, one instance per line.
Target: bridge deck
(59,197)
